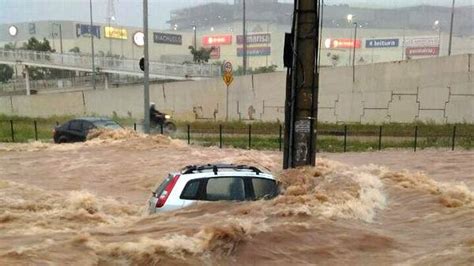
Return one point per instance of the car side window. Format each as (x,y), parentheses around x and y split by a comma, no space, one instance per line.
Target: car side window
(264,188)
(87,126)
(225,188)
(75,125)
(191,190)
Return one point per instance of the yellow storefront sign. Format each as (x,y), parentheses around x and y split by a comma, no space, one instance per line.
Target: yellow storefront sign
(116,33)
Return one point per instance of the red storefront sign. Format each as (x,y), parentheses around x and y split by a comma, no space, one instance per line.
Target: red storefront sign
(217,40)
(216,52)
(342,43)
(417,51)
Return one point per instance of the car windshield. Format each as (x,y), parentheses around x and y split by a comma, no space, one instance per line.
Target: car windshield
(108,124)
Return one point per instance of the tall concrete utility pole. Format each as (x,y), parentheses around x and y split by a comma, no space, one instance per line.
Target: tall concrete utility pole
(244,34)
(146,91)
(451,29)
(301,102)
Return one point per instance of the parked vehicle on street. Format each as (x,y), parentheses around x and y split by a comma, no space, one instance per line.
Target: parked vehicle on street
(212,182)
(76,130)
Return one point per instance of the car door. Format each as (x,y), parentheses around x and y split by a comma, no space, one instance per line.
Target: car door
(75,131)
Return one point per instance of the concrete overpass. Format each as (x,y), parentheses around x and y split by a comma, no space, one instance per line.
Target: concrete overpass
(107,65)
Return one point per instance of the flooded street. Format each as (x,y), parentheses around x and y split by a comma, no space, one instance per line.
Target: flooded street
(84,204)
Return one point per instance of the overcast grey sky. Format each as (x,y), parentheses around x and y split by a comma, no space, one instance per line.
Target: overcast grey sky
(129,12)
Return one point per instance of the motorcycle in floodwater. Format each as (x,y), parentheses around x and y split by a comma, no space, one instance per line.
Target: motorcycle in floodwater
(162,123)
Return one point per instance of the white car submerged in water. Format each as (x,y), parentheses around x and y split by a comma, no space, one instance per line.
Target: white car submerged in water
(212,182)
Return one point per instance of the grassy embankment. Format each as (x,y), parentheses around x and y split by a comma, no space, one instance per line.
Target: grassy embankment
(265,135)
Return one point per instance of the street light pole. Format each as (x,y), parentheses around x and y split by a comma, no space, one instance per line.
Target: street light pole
(354,51)
(451,29)
(92,46)
(146,91)
(60,38)
(244,48)
(194,40)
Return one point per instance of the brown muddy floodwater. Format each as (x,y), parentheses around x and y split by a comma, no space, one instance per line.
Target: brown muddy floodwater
(84,204)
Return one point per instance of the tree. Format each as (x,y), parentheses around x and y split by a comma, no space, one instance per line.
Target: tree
(6,73)
(75,50)
(36,73)
(202,55)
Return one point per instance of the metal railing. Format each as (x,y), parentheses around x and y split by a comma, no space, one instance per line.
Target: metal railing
(81,62)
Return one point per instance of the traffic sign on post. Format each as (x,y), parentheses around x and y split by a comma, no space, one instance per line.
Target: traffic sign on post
(228,77)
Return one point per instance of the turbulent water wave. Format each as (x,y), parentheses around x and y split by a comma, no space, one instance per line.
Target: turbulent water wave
(91,211)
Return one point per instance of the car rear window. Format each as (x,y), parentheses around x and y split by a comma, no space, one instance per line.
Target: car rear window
(225,188)
(163,185)
(264,188)
(108,124)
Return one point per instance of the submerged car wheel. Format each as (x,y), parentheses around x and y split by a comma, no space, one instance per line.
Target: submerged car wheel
(62,139)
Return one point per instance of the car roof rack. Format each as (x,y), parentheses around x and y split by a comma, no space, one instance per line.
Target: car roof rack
(215,168)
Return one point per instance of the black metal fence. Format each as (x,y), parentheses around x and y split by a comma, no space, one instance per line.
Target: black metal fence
(330,138)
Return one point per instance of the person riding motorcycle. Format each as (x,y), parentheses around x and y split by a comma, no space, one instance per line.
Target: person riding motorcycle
(155,115)
(158,119)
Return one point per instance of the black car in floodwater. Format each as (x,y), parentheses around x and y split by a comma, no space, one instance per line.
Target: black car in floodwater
(76,130)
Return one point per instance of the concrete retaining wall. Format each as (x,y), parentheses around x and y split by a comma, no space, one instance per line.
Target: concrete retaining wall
(437,90)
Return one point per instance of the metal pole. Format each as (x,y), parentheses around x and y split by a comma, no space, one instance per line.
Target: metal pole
(220,136)
(354,52)
(12,130)
(227,104)
(321,20)
(195,42)
(454,138)
(380,138)
(345,138)
(146,91)
(189,134)
(244,49)
(36,130)
(451,29)
(279,139)
(250,137)
(92,45)
(416,138)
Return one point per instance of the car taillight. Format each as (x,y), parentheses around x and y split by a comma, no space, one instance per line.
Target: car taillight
(166,193)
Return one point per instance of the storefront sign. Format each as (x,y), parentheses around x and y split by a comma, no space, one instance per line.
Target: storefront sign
(116,33)
(254,38)
(255,51)
(425,41)
(167,38)
(381,43)
(217,40)
(420,51)
(342,43)
(216,52)
(86,31)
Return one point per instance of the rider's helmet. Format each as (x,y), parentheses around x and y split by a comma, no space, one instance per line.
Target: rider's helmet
(152,105)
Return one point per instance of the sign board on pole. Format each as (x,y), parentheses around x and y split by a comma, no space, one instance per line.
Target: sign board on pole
(254,38)
(167,38)
(423,41)
(420,51)
(86,30)
(116,33)
(216,52)
(381,43)
(228,76)
(342,43)
(217,40)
